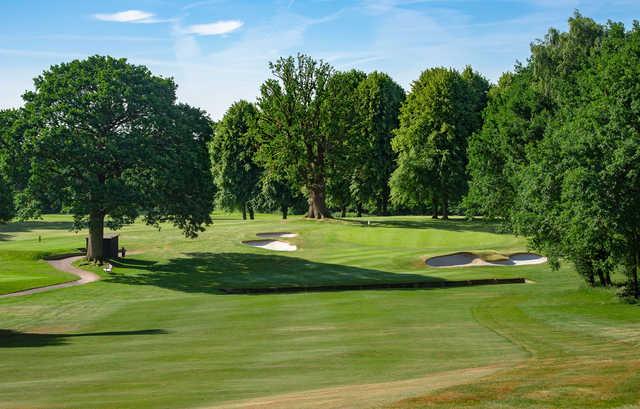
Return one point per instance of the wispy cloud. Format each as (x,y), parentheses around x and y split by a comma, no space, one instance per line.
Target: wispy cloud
(215,28)
(128,16)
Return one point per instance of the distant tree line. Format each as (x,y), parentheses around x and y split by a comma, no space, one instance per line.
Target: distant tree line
(348,141)
(552,150)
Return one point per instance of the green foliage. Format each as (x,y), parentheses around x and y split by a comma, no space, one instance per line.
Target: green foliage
(294,142)
(233,152)
(343,123)
(439,115)
(110,139)
(379,99)
(515,117)
(558,156)
(8,164)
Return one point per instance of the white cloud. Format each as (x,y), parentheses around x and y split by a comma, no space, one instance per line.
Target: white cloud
(215,28)
(128,16)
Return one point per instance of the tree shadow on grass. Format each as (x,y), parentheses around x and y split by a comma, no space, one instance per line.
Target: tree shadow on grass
(457,225)
(27,226)
(16,339)
(214,272)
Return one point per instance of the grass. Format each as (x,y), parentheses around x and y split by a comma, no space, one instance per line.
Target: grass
(157,333)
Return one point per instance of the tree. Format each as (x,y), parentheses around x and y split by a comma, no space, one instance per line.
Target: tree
(582,181)
(515,118)
(109,137)
(558,157)
(291,118)
(278,194)
(518,112)
(233,150)
(6,200)
(8,119)
(436,121)
(343,123)
(378,105)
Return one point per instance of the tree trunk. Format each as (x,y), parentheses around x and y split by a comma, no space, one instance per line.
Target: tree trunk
(634,273)
(601,278)
(359,209)
(251,212)
(434,205)
(445,209)
(385,202)
(285,211)
(343,212)
(244,211)
(96,235)
(317,206)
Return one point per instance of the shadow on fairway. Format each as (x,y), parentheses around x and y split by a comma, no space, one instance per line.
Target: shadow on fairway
(457,225)
(15,339)
(211,272)
(23,227)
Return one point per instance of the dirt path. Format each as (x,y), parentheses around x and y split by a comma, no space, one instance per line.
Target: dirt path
(363,396)
(65,265)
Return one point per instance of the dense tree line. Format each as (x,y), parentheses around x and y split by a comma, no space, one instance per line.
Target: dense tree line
(339,138)
(558,156)
(552,150)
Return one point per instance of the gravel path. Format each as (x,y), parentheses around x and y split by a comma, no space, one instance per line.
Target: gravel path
(65,264)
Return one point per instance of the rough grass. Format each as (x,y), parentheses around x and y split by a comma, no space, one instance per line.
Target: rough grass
(156,333)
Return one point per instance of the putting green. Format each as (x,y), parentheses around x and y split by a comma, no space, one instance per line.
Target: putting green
(158,333)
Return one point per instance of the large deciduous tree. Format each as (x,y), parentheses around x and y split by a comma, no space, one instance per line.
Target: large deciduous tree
(109,138)
(233,150)
(379,99)
(8,118)
(341,120)
(295,143)
(439,115)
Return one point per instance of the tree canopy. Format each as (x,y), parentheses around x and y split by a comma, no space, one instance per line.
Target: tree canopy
(291,121)
(109,137)
(233,150)
(441,111)
(560,146)
(378,103)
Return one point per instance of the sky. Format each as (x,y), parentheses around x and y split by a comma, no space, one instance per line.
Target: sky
(218,50)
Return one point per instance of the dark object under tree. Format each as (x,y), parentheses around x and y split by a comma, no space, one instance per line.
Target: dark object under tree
(111,138)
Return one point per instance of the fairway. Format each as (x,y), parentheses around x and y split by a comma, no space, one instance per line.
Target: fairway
(158,333)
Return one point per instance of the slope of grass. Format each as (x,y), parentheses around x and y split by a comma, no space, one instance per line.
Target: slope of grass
(156,333)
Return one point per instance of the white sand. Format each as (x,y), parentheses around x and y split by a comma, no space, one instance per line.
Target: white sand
(274,245)
(277,235)
(471,260)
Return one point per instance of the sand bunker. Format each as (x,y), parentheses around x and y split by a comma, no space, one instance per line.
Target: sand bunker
(274,245)
(277,235)
(471,260)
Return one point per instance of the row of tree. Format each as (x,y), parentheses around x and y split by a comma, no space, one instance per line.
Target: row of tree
(558,156)
(552,150)
(348,141)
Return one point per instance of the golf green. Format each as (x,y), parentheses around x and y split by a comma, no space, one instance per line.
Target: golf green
(158,333)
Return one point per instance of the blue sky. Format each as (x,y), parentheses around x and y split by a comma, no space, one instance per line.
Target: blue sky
(218,50)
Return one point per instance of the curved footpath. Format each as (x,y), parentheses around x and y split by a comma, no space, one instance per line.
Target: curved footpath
(66,265)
